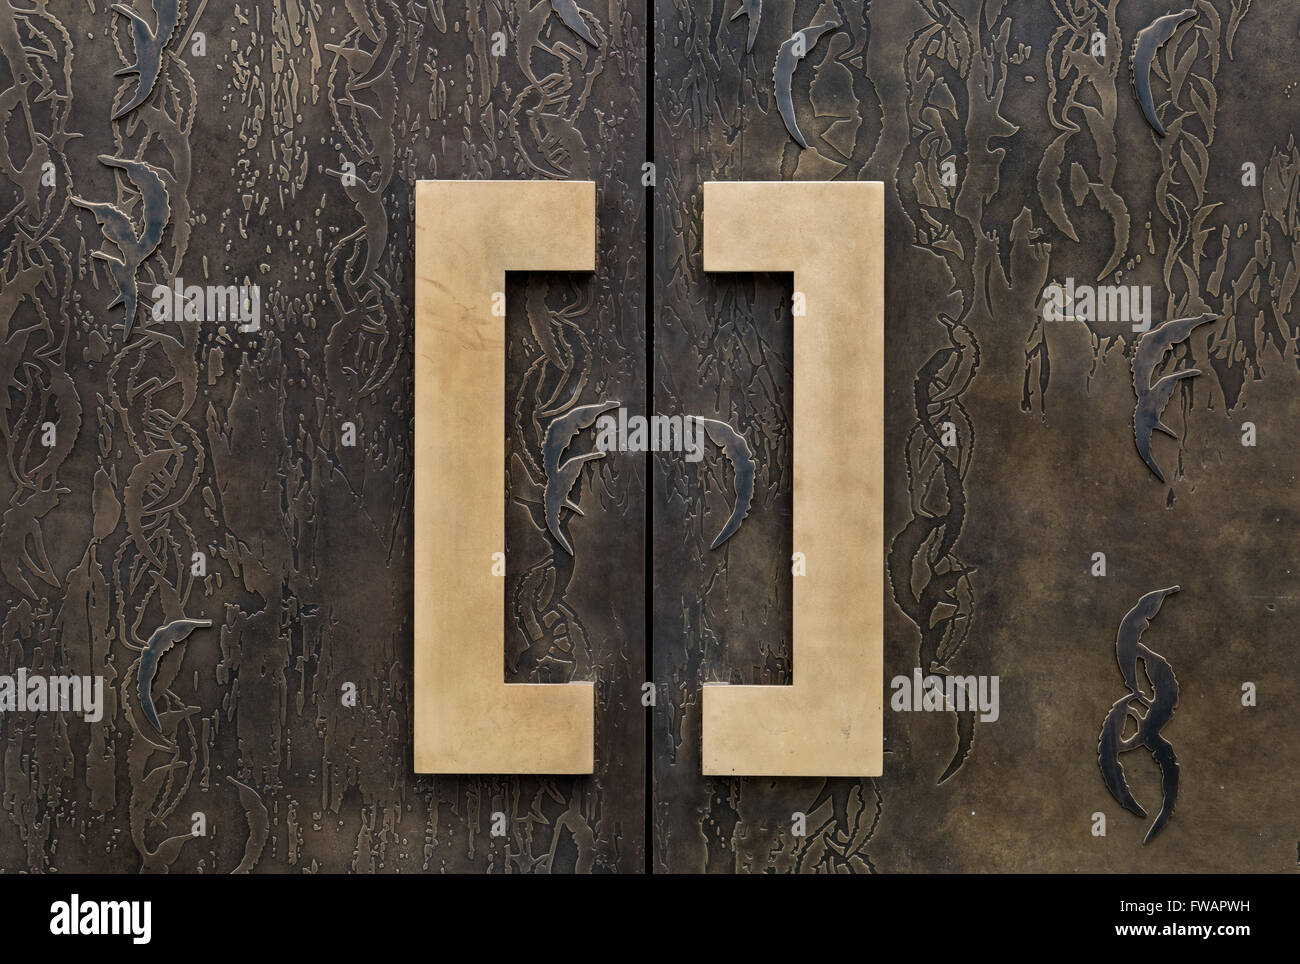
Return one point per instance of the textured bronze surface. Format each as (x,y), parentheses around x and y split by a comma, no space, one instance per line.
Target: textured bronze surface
(193,437)
(1055,174)
(1015,155)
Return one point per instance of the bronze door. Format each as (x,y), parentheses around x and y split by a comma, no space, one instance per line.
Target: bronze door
(207,315)
(1034,513)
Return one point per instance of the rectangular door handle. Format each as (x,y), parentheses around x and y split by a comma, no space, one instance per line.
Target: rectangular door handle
(829,722)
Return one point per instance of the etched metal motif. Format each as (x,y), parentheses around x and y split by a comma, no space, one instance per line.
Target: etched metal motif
(162,640)
(787,59)
(1145,47)
(741,459)
(941,609)
(150,42)
(134,244)
(1158,709)
(560,477)
(572,15)
(1152,398)
(752,10)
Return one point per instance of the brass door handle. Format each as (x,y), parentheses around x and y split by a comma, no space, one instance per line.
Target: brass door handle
(467,234)
(831,235)
(467,719)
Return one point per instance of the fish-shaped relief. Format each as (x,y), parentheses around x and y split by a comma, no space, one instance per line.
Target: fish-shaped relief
(1148,43)
(787,59)
(150,43)
(162,640)
(738,453)
(1152,399)
(560,477)
(1159,709)
(134,244)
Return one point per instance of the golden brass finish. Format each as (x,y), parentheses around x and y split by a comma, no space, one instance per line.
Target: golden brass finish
(829,722)
(468,233)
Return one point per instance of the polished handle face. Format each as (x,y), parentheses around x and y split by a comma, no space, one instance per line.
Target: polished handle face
(831,236)
(467,235)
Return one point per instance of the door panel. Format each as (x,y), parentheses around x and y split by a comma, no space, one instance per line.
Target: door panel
(1038,484)
(1015,155)
(307,539)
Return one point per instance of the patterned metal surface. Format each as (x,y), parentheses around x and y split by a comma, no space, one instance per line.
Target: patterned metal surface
(1017,154)
(195,437)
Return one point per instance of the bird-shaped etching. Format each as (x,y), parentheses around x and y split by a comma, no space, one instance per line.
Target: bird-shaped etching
(787,59)
(560,478)
(753,9)
(22,541)
(1149,40)
(1152,399)
(149,46)
(572,16)
(163,639)
(958,371)
(557,490)
(738,453)
(121,230)
(159,859)
(259,820)
(369,66)
(1129,648)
